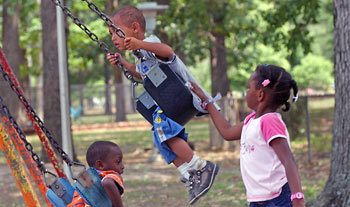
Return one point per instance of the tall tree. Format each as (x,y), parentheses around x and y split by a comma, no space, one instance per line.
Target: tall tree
(109,7)
(218,63)
(108,105)
(14,55)
(118,75)
(337,192)
(201,28)
(52,110)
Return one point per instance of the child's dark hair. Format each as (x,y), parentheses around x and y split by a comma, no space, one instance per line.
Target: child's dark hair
(129,14)
(280,83)
(99,151)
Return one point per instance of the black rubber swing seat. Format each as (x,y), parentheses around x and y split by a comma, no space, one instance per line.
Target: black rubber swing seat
(168,90)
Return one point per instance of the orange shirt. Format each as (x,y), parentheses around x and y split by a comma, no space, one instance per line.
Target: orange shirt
(78,201)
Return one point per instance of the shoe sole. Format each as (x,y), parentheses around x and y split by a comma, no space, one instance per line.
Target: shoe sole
(216,170)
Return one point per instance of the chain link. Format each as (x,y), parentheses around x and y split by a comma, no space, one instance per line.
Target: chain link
(36,118)
(21,135)
(93,36)
(105,18)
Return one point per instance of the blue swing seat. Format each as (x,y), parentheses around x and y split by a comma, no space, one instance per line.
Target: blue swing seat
(65,194)
(91,190)
(166,89)
(88,186)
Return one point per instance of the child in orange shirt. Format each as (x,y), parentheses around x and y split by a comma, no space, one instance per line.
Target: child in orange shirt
(107,158)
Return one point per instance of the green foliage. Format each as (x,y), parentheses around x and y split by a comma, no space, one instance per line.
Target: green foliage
(252,57)
(314,72)
(189,24)
(322,32)
(256,32)
(288,25)
(86,59)
(30,37)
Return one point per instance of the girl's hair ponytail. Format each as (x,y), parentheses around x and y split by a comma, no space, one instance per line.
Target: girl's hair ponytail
(279,81)
(295,90)
(295,95)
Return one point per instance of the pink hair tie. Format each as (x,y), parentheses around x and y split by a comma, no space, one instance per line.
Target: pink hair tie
(265,82)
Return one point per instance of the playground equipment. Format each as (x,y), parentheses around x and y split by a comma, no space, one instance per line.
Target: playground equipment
(161,85)
(16,165)
(59,192)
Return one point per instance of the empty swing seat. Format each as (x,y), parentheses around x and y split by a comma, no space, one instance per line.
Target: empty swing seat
(168,90)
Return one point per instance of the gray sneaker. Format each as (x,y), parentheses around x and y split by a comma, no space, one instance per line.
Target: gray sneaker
(189,186)
(200,181)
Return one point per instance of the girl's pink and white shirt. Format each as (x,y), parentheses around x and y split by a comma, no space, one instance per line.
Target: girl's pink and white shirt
(262,171)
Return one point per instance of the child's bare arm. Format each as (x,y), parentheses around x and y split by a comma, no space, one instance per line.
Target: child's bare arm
(114,58)
(227,131)
(161,50)
(281,147)
(112,191)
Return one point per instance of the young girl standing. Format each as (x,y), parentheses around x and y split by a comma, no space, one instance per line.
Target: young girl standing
(268,169)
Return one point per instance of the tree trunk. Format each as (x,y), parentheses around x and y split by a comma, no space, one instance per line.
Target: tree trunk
(15,56)
(52,110)
(107,88)
(119,91)
(337,192)
(119,96)
(218,64)
(129,102)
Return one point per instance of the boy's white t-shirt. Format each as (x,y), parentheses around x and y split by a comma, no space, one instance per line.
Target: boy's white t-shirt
(262,171)
(175,64)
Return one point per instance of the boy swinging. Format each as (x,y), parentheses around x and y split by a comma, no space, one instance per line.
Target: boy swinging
(169,136)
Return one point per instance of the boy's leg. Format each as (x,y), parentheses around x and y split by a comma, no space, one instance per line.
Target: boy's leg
(181,148)
(171,140)
(201,172)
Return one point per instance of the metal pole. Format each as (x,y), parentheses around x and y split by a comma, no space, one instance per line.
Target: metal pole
(308,128)
(64,92)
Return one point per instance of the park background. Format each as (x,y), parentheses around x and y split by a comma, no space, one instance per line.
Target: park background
(221,42)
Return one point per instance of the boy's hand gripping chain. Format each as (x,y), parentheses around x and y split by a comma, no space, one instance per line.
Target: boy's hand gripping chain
(94,37)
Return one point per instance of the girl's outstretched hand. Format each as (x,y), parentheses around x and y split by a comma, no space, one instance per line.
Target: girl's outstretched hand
(198,91)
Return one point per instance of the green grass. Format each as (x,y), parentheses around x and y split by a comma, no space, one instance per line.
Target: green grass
(101,119)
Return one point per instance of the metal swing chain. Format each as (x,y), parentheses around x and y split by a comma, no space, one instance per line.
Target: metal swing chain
(93,36)
(21,135)
(24,101)
(109,23)
(40,164)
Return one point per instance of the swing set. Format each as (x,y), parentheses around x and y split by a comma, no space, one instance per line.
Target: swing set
(163,88)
